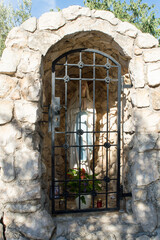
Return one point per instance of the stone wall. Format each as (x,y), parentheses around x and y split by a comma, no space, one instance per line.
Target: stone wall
(25,74)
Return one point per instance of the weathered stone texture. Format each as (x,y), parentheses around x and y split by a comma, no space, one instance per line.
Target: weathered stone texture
(7,84)
(74,12)
(6,111)
(26,112)
(155,95)
(146,215)
(30,62)
(9,61)
(145,142)
(51,20)
(153,73)
(137,70)
(106,15)
(142,98)
(128,29)
(145,120)
(144,171)
(1,232)
(152,55)
(19,192)
(30,25)
(27,164)
(36,226)
(11,132)
(7,165)
(146,40)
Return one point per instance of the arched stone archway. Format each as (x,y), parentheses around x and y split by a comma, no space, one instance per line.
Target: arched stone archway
(25,73)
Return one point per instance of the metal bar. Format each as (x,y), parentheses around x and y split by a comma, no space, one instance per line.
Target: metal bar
(53,139)
(94,76)
(87,210)
(80,109)
(94,145)
(89,132)
(66,73)
(85,65)
(87,79)
(119,137)
(107,136)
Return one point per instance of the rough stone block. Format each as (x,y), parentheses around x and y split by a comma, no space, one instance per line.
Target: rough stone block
(6,85)
(136,68)
(146,120)
(23,207)
(106,15)
(19,192)
(9,61)
(143,237)
(152,55)
(121,40)
(146,40)
(7,165)
(26,112)
(17,38)
(144,171)
(30,62)
(27,164)
(42,41)
(145,142)
(155,95)
(139,194)
(153,73)
(30,24)
(142,96)
(1,232)
(11,132)
(51,20)
(6,111)
(127,29)
(38,225)
(74,12)
(146,215)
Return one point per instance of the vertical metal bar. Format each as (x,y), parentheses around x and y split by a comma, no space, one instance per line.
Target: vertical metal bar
(66,72)
(94,78)
(53,139)
(80,109)
(119,136)
(107,139)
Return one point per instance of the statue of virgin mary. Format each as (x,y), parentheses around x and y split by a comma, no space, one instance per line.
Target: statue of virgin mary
(80,121)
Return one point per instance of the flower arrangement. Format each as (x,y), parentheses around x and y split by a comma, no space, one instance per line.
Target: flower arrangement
(85,185)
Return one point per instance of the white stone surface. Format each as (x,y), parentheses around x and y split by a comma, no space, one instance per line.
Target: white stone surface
(6,111)
(30,24)
(11,132)
(19,192)
(17,38)
(136,68)
(144,141)
(142,96)
(51,20)
(146,40)
(146,215)
(128,29)
(155,95)
(30,62)
(152,55)
(143,237)
(75,11)
(105,15)
(7,165)
(1,232)
(139,194)
(36,226)
(153,74)
(26,112)
(144,171)
(9,61)
(121,40)
(6,85)
(42,41)
(27,164)
(145,120)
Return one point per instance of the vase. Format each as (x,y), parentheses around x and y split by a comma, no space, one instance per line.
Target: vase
(88,199)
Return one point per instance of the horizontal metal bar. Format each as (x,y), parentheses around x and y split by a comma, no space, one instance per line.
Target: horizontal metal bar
(83,180)
(61,146)
(87,210)
(88,132)
(87,79)
(85,65)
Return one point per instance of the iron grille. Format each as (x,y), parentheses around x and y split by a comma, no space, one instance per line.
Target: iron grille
(97,69)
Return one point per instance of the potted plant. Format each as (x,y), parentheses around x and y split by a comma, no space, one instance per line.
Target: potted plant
(82,182)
